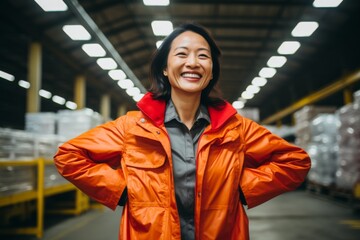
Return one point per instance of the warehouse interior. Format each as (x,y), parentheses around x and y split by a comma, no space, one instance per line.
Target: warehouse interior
(53,89)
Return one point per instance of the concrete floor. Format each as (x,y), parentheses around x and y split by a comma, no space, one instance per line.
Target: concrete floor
(291,216)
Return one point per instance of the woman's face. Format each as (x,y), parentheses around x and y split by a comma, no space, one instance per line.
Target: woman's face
(189,63)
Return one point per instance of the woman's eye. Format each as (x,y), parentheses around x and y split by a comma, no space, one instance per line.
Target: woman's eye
(181,54)
(203,56)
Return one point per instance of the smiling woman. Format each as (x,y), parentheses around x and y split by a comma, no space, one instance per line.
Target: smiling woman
(186,163)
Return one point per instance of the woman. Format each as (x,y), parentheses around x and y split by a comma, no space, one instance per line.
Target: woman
(186,163)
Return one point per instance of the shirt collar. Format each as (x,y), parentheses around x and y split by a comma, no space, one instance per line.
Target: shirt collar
(171,114)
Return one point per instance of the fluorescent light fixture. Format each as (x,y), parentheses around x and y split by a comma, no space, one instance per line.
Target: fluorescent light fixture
(258,81)
(238,104)
(24,84)
(7,76)
(117,74)
(125,84)
(45,94)
(76,32)
(52,5)
(304,29)
(162,28)
(158,43)
(133,91)
(71,105)
(59,100)
(156,2)
(247,95)
(93,50)
(138,97)
(253,89)
(276,61)
(267,72)
(288,47)
(326,3)
(106,63)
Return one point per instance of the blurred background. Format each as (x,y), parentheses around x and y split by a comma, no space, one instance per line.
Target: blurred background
(69,65)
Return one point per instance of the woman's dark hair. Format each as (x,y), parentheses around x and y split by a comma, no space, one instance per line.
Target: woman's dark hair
(160,86)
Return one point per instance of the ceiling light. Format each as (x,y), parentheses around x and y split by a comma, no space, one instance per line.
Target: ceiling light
(247,95)
(258,81)
(138,97)
(158,43)
(253,89)
(133,91)
(238,104)
(7,76)
(59,100)
(326,3)
(52,5)
(162,28)
(117,74)
(288,47)
(304,29)
(71,105)
(125,84)
(76,32)
(156,2)
(267,72)
(276,61)
(94,50)
(106,63)
(24,84)
(45,94)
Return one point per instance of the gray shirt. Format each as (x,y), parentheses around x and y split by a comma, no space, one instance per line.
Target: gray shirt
(184,144)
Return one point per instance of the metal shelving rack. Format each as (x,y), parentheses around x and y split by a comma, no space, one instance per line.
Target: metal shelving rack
(82,202)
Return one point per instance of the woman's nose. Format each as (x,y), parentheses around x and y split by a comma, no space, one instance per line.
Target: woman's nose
(192,61)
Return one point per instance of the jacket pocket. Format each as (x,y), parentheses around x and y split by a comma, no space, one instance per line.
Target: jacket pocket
(147,176)
(144,159)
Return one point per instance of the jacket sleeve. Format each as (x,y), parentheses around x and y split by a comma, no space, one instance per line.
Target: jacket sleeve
(271,166)
(91,161)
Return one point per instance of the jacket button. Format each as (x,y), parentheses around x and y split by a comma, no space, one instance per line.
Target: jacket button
(199,194)
(142,120)
(158,132)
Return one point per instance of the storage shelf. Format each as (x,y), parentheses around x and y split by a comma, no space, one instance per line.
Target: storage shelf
(81,203)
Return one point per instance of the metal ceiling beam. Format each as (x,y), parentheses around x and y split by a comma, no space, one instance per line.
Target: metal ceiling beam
(315,97)
(80,12)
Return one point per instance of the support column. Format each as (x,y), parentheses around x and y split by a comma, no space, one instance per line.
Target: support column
(34,77)
(105,107)
(80,91)
(122,110)
(348,96)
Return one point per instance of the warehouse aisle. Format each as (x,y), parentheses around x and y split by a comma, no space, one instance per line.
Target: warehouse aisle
(296,215)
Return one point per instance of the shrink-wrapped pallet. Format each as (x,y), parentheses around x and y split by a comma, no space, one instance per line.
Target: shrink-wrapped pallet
(303,118)
(18,145)
(41,122)
(357,97)
(348,173)
(323,149)
(73,123)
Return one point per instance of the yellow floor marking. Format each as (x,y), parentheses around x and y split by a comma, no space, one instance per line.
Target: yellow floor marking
(352,223)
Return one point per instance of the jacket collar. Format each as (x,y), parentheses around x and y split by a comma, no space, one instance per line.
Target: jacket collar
(155,110)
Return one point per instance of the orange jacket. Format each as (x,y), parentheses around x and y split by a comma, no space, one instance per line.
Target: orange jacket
(134,151)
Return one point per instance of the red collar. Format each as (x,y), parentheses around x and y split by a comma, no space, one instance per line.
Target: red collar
(155,110)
